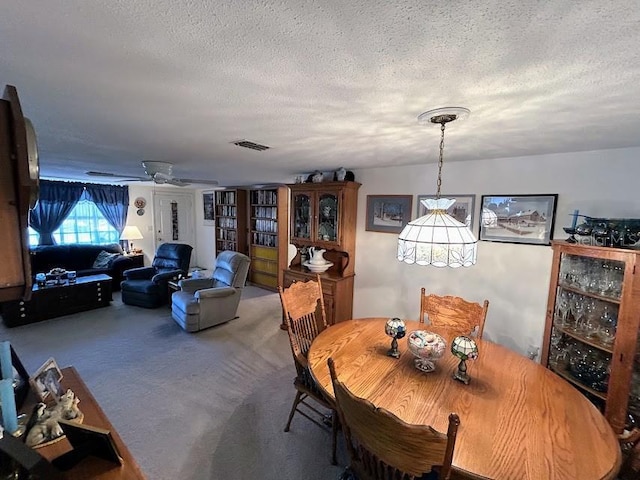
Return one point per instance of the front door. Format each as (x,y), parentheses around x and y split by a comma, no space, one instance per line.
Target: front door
(174,219)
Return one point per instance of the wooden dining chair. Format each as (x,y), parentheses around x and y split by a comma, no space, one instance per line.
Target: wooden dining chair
(454,313)
(305,315)
(382,447)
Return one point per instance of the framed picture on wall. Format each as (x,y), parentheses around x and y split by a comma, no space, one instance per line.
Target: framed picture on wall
(463,210)
(208,207)
(518,218)
(388,213)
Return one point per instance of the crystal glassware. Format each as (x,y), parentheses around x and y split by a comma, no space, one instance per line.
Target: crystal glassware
(427,347)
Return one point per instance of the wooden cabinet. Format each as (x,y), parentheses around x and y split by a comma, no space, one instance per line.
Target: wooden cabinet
(18,188)
(92,291)
(231,220)
(337,292)
(593,325)
(268,222)
(323,215)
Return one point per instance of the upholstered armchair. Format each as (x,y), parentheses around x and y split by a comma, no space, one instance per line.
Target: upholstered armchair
(205,302)
(147,286)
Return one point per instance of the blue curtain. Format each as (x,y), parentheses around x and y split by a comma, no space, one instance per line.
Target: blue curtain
(112,201)
(55,202)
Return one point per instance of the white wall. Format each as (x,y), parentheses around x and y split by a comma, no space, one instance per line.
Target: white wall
(143,222)
(205,235)
(513,277)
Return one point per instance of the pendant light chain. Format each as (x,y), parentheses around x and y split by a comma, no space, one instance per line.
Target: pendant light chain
(439,183)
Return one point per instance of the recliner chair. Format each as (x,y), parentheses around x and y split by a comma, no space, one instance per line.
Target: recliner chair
(204,302)
(147,286)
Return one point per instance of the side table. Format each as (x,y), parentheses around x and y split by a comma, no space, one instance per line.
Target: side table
(138,259)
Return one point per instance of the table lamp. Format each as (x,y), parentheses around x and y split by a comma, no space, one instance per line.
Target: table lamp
(464,348)
(396,329)
(131,232)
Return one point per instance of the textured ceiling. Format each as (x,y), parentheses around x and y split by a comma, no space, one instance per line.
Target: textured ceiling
(325,83)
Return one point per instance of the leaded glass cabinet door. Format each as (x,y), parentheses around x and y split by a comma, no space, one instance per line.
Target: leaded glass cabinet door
(328,217)
(301,220)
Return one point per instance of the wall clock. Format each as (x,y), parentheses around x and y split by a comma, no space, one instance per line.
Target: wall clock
(140,211)
(140,202)
(34,162)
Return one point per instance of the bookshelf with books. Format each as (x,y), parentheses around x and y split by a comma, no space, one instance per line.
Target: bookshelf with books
(268,235)
(231,220)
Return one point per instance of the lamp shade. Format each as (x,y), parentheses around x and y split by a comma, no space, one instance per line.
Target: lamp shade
(437,238)
(131,232)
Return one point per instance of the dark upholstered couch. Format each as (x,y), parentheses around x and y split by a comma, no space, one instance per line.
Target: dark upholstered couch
(80,258)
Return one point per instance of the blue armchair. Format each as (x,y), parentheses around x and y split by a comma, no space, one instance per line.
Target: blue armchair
(147,286)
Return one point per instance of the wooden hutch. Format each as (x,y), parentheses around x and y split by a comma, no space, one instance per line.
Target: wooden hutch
(323,215)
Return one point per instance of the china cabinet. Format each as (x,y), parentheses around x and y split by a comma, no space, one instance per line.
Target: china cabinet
(592,327)
(18,191)
(323,216)
(231,220)
(268,236)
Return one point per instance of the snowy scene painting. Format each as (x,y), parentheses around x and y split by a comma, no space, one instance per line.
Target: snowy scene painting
(518,218)
(388,213)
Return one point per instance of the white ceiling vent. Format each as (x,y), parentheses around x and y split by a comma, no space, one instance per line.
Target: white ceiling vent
(251,145)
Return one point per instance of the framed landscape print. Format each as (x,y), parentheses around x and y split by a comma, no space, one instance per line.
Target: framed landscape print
(207,201)
(388,213)
(463,210)
(518,218)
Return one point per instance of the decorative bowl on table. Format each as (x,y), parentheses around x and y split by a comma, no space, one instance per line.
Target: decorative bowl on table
(318,267)
(428,347)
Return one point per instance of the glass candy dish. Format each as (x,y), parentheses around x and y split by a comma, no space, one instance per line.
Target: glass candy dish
(428,347)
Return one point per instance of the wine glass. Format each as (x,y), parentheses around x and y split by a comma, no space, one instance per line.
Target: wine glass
(609,322)
(563,307)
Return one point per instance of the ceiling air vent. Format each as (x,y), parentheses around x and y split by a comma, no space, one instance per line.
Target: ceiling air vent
(251,145)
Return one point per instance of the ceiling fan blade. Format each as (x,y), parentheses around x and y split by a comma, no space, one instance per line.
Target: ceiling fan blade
(176,181)
(203,182)
(115,175)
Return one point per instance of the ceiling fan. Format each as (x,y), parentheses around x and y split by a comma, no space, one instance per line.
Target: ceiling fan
(158,172)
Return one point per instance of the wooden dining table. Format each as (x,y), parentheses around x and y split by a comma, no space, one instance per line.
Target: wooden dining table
(518,420)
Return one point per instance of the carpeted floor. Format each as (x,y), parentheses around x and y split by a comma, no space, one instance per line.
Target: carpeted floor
(210,405)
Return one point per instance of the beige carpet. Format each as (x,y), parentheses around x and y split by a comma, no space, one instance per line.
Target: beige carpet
(210,405)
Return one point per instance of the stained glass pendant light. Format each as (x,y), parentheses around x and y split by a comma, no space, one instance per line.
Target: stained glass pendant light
(437,238)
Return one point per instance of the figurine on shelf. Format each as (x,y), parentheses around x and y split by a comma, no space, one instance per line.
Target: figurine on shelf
(46,428)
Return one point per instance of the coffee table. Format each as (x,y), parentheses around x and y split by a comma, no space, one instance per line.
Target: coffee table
(87,293)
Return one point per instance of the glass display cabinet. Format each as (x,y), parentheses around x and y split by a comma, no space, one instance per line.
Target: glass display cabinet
(323,215)
(592,327)
(316,216)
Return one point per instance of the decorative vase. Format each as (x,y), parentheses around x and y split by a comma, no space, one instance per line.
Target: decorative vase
(396,329)
(427,347)
(464,348)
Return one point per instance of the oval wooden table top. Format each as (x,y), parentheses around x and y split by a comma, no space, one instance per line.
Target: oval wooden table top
(518,420)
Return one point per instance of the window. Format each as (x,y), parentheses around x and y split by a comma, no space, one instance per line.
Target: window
(85,224)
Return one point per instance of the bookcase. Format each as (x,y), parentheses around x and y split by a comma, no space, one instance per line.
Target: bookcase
(231,220)
(268,235)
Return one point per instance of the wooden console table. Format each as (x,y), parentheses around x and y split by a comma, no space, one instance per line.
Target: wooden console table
(90,467)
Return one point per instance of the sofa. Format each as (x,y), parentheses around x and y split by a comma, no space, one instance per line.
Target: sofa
(81,258)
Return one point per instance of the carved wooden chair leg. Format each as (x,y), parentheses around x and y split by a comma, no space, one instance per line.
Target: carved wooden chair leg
(293,410)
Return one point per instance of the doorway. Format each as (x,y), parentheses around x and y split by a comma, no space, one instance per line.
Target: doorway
(174,219)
